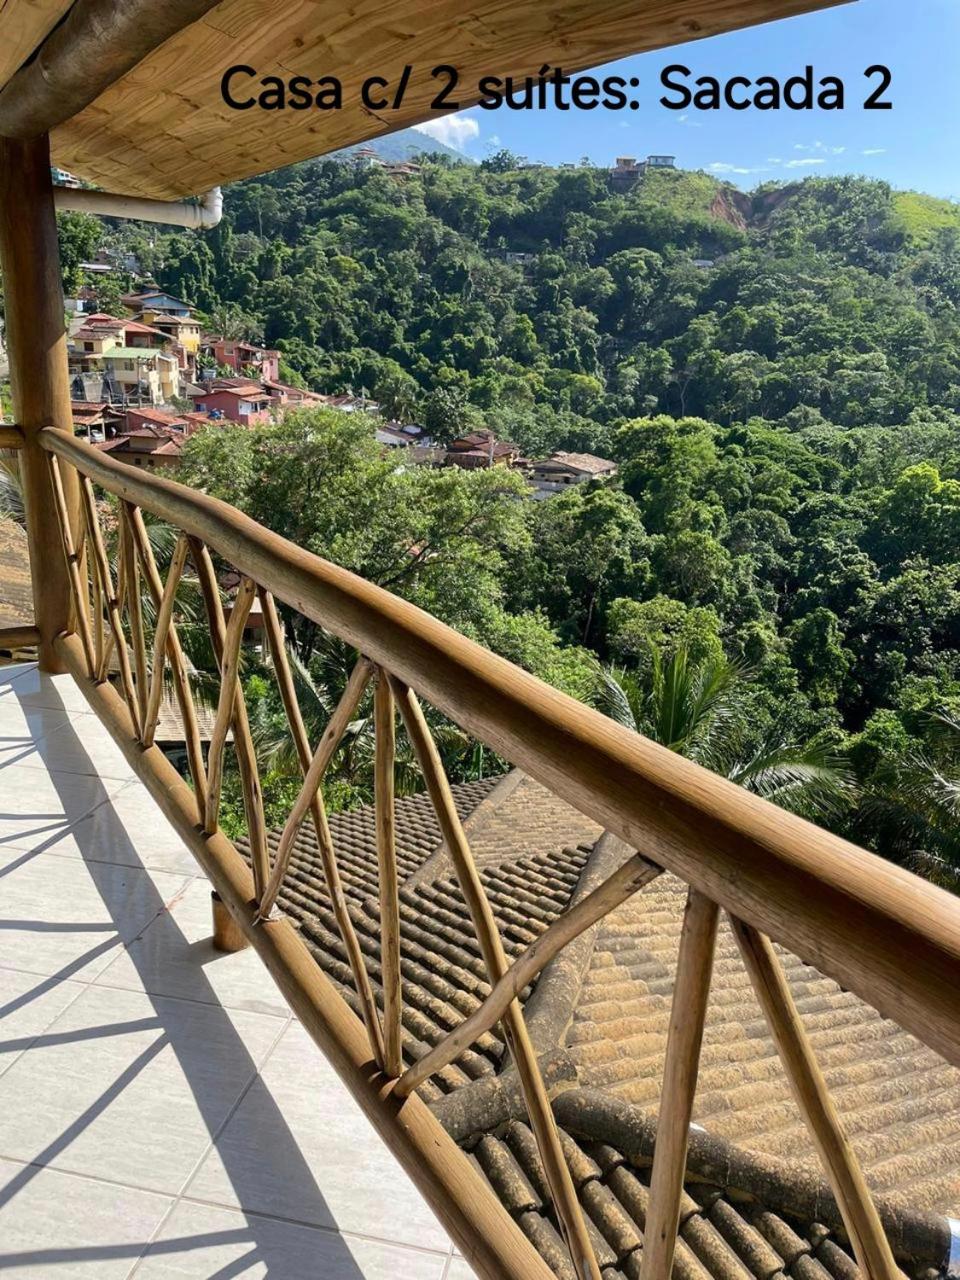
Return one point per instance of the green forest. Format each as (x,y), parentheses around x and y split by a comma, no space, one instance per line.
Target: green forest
(771,584)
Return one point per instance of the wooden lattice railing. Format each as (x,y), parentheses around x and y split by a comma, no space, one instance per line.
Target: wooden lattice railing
(889,936)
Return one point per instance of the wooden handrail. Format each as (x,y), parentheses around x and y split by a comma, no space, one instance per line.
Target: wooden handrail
(19,637)
(879,930)
(465,1203)
(11,437)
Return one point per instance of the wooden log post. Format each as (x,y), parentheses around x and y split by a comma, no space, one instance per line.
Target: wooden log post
(227,934)
(37,345)
(812,1095)
(691,990)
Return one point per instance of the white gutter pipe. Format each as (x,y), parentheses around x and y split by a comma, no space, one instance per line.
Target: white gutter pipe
(178,213)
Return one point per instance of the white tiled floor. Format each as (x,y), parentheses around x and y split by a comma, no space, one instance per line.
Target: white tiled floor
(161,1112)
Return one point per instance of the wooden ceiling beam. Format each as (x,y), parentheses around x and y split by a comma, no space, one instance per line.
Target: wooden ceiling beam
(96,43)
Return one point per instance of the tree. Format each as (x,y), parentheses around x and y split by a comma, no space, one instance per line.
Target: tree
(397,392)
(587,547)
(501,161)
(911,811)
(636,628)
(818,654)
(699,711)
(445,413)
(80,235)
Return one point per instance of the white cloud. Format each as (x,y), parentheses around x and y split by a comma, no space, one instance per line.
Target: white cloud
(797,164)
(453,130)
(691,124)
(721,166)
(821,147)
(874,151)
(774,160)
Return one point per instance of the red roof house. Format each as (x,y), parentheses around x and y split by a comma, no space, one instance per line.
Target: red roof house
(237,399)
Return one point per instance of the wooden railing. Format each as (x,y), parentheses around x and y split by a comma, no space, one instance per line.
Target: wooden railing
(876,929)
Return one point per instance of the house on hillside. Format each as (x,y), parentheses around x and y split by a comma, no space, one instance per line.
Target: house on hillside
(627,169)
(157,301)
(281,393)
(149,448)
(401,170)
(243,357)
(366,158)
(349,403)
(195,420)
(61,178)
(155,419)
(136,360)
(238,399)
(560,470)
(481,449)
(95,420)
(172,317)
(183,332)
(401,434)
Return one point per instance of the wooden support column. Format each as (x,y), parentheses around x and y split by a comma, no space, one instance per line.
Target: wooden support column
(227,934)
(37,345)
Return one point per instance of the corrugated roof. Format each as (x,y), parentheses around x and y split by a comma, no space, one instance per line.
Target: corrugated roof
(128,353)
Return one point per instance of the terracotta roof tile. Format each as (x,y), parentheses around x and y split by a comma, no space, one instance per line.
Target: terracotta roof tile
(899,1101)
(16,591)
(751,1207)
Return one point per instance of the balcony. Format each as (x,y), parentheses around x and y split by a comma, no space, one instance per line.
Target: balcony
(165,1114)
(610,1013)
(607,1017)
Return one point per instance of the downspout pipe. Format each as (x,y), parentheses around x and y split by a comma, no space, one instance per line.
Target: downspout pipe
(180,213)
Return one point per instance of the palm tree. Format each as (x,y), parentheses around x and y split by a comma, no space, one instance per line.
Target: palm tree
(911,811)
(699,710)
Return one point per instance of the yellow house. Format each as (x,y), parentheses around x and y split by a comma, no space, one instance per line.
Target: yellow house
(174,318)
(183,330)
(136,359)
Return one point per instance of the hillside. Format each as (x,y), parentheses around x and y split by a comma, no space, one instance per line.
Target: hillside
(405,144)
(776,374)
(922,217)
(831,299)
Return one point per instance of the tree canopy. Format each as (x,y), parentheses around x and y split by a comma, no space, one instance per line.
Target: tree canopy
(776,374)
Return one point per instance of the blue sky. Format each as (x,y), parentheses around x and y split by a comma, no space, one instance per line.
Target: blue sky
(913,146)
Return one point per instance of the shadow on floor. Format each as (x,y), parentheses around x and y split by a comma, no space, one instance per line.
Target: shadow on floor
(282,1160)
